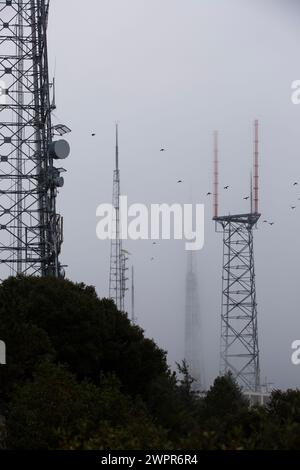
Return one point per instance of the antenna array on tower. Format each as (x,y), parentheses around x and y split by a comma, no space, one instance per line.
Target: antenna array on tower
(30,227)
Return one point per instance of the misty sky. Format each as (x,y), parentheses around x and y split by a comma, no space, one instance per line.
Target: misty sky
(172,71)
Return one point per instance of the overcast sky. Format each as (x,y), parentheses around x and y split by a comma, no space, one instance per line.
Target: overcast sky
(172,71)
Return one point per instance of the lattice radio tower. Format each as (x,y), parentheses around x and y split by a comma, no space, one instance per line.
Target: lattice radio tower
(30,228)
(193,349)
(239,331)
(133,317)
(118,256)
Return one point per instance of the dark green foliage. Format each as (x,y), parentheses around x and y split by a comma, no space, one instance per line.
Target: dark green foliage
(54,411)
(79,375)
(224,398)
(50,317)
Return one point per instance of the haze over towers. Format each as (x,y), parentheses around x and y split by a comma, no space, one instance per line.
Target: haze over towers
(193,334)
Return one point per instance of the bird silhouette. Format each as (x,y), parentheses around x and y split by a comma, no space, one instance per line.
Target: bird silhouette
(265,221)
(295,184)
(271,223)
(246,198)
(208,194)
(293,207)
(93,134)
(162,150)
(180,181)
(226,187)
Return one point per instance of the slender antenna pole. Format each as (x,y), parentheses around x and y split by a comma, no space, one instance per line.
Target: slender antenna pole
(256,166)
(251,192)
(216,174)
(132,296)
(117,146)
(53,105)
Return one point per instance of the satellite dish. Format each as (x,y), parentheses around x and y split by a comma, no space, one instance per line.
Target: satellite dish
(59,149)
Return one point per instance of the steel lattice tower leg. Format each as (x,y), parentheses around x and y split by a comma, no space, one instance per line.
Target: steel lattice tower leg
(30,228)
(239,333)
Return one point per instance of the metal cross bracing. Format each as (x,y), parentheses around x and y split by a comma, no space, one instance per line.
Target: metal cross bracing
(30,228)
(239,352)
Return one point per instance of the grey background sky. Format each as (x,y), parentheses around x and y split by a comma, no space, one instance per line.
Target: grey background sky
(172,71)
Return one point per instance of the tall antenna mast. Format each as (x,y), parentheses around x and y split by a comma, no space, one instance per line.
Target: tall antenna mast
(30,227)
(117,147)
(216,174)
(118,258)
(256,166)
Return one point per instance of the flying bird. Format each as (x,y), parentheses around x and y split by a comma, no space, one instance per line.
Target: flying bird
(295,184)
(208,194)
(246,198)
(93,134)
(226,187)
(163,150)
(265,221)
(180,181)
(293,207)
(271,223)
